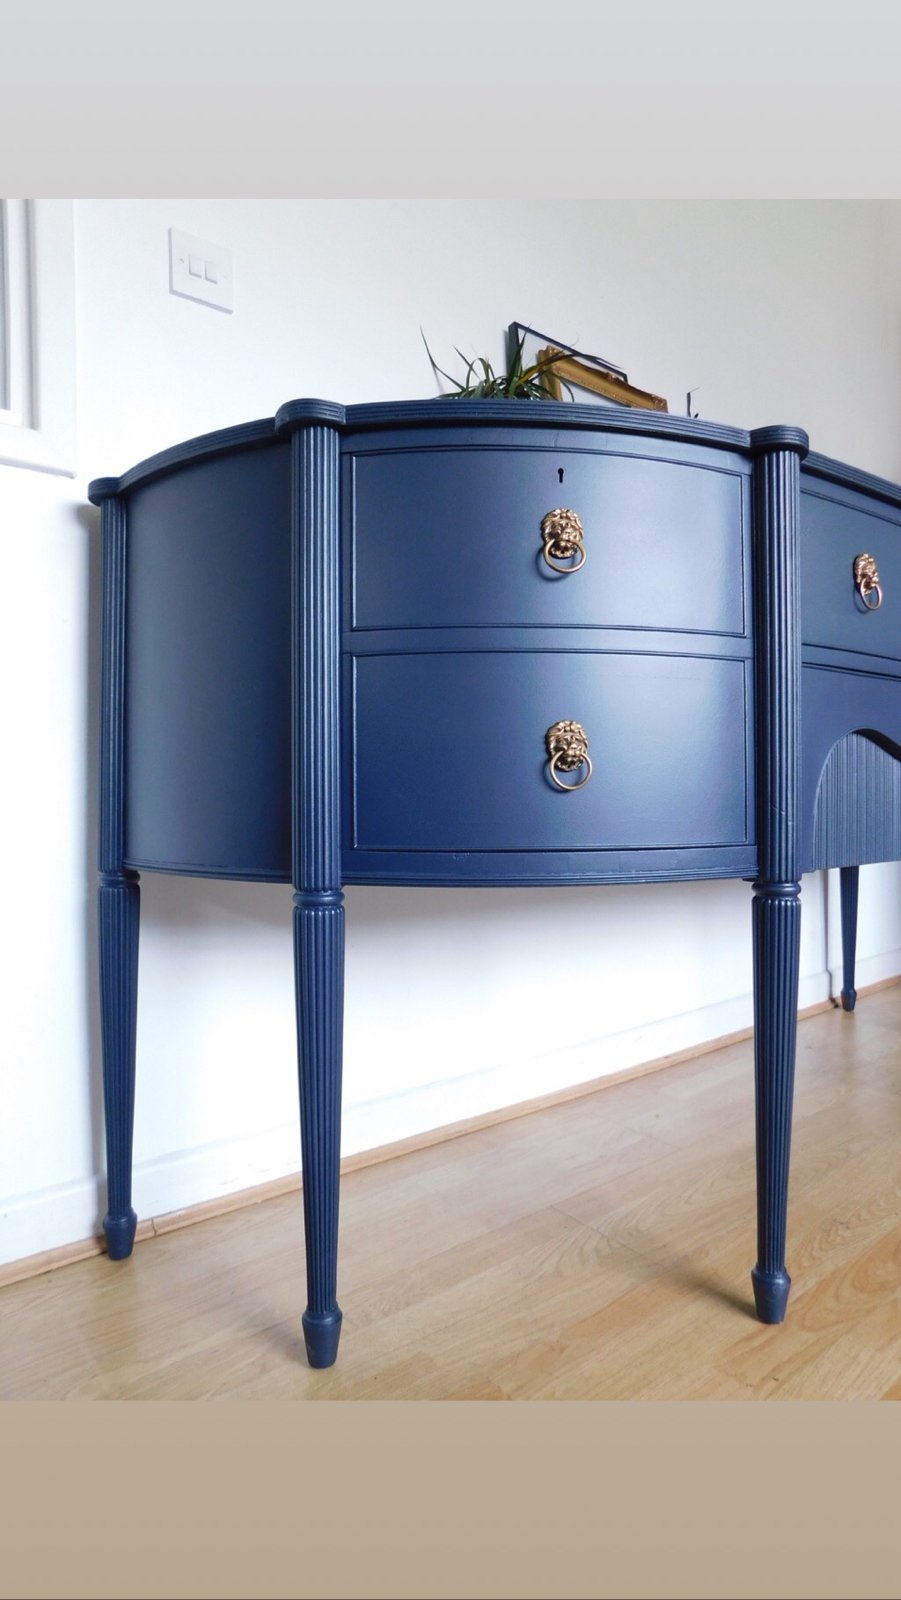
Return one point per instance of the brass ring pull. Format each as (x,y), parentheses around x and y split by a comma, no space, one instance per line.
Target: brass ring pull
(567,748)
(563,537)
(570,788)
(866,580)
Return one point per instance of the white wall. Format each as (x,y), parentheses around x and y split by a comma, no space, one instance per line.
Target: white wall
(772,311)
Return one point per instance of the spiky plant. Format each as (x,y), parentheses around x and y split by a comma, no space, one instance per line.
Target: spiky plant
(481,382)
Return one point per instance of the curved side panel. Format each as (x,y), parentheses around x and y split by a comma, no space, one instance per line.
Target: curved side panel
(857,815)
(208,677)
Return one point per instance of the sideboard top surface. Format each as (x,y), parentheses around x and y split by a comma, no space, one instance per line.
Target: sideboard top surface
(446,412)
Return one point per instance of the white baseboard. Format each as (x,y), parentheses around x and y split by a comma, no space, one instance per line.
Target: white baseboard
(51,1218)
(376,1122)
(869,969)
(32,1223)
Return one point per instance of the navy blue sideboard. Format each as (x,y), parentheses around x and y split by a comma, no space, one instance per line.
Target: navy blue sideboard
(491,642)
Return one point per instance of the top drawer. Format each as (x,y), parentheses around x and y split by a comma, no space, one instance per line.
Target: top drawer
(836,528)
(451,537)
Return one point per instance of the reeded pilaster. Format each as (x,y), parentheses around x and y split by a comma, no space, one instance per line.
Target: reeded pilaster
(118,895)
(776,916)
(316,832)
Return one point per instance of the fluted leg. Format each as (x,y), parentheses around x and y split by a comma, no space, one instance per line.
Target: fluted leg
(316,870)
(319,985)
(849,879)
(119,907)
(777,944)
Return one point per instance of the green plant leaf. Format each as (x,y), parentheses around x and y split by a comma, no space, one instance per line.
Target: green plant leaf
(481,382)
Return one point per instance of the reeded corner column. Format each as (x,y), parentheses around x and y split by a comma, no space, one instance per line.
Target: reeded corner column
(776,911)
(318,897)
(119,899)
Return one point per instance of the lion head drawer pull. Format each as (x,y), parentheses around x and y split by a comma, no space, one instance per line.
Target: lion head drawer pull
(564,538)
(567,748)
(866,579)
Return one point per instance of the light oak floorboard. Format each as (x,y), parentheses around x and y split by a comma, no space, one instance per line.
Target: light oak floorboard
(596,1249)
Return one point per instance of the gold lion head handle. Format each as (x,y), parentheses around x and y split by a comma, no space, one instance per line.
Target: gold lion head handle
(563,537)
(866,579)
(567,747)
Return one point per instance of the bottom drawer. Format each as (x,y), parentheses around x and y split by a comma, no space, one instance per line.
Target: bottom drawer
(449,751)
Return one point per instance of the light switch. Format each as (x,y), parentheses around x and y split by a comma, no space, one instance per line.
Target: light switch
(200,271)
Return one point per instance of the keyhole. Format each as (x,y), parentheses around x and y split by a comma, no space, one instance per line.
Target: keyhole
(560,473)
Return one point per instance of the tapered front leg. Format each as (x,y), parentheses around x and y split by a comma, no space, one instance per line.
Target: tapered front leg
(777,907)
(119,897)
(849,879)
(318,900)
(119,906)
(319,987)
(777,945)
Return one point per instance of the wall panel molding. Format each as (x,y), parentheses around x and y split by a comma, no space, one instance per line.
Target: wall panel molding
(37,335)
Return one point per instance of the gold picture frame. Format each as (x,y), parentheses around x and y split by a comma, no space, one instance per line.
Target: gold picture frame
(609,385)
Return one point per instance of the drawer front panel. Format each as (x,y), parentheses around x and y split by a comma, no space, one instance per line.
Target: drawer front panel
(833,533)
(449,751)
(452,538)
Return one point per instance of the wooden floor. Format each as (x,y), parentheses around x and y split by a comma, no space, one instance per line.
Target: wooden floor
(598,1249)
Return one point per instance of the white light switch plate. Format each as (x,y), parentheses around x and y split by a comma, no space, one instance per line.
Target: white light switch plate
(200,270)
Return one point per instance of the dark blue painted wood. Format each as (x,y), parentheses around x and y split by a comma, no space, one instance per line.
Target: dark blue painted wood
(318,900)
(850,661)
(471,413)
(208,708)
(549,869)
(204,448)
(451,537)
(857,812)
(223,750)
(849,882)
(618,641)
(118,898)
(519,415)
(847,805)
(836,526)
(776,919)
(817,470)
(449,752)
(118,911)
